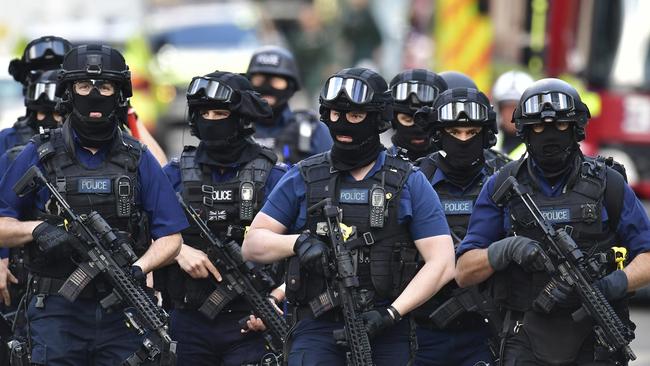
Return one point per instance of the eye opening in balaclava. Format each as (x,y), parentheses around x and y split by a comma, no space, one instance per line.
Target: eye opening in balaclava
(94,117)
(552,148)
(268,86)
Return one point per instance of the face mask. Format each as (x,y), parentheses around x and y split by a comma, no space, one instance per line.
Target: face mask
(463,155)
(94,132)
(551,149)
(48,121)
(281,99)
(364,147)
(220,141)
(404,136)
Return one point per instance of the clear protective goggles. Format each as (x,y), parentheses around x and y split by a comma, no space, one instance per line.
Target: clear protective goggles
(425,93)
(40,50)
(212,89)
(357,91)
(473,110)
(35,90)
(560,102)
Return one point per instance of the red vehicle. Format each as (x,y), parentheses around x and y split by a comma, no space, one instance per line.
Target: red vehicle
(607,44)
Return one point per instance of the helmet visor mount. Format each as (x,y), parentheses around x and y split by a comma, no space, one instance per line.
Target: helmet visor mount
(45,50)
(37,89)
(424,93)
(474,111)
(357,91)
(212,89)
(559,102)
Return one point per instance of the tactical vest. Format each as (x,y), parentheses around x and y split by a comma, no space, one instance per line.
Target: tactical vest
(578,209)
(457,209)
(111,189)
(227,207)
(386,257)
(293,143)
(24,133)
(457,212)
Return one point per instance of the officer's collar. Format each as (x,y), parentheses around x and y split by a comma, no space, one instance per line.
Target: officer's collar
(440,176)
(566,181)
(378,164)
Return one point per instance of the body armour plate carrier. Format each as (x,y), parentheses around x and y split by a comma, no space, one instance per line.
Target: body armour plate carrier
(293,143)
(227,207)
(111,189)
(386,257)
(578,209)
(458,210)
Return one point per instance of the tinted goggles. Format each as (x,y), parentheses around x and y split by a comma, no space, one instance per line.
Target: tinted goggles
(425,93)
(41,50)
(357,90)
(212,89)
(560,102)
(473,110)
(34,91)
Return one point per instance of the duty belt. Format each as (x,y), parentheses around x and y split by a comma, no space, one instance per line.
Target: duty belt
(98,289)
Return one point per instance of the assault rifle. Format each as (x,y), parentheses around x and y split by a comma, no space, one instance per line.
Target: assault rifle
(346,285)
(105,253)
(576,270)
(242,278)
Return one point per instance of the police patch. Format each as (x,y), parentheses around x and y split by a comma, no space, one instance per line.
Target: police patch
(457,207)
(218,195)
(94,185)
(357,196)
(268,59)
(557,215)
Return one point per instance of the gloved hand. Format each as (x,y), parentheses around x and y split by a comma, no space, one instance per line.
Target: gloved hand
(378,320)
(48,236)
(613,286)
(139,276)
(563,294)
(522,250)
(311,251)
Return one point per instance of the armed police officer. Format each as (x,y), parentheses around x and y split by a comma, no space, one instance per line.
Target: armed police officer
(95,167)
(226,178)
(403,219)
(463,125)
(292,135)
(582,195)
(411,90)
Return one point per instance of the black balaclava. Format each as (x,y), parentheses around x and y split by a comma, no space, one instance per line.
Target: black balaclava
(47,122)
(405,134)
(94,132)
(463,160)
(365,145)
(552,149)
(221,143)
(281,98)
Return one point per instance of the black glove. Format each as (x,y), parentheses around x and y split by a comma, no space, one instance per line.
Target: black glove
(139,276)
(613,286)
(48,236)
(520,249)
(376,321)
(311,251)
(563,294)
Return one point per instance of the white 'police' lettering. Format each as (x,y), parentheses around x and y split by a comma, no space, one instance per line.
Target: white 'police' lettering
(354,196)
(94,185)
(457,207)
(268,59)
(557,215)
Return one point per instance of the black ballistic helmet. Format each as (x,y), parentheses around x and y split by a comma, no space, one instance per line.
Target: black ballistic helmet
(463,107)
(44,53)
(275,60)
(223,90)
(415,88)
(41,93)
(357,89)
(551,99)
(456,79)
